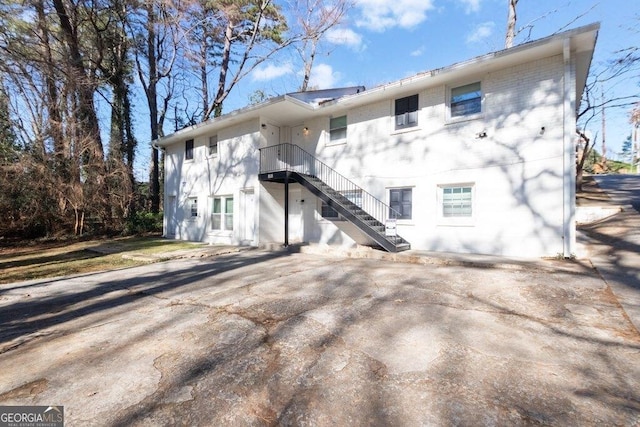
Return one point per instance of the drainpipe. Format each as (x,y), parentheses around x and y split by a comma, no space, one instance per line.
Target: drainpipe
(568,158)
(155,146)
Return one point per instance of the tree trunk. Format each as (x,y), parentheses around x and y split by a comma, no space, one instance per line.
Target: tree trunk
(224,68)
(308,65)
(203,73)
(60,144)
(511,24)
(152,94)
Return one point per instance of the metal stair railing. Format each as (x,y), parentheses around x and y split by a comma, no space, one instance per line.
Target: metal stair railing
(292,158)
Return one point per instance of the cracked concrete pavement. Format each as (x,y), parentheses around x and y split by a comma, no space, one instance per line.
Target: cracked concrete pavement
(279,338)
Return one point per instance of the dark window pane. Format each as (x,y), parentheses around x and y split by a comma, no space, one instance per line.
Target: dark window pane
(466,100)
(400,203)
(188,150)
(406,111)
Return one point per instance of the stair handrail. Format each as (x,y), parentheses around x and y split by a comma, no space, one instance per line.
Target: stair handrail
(293,158)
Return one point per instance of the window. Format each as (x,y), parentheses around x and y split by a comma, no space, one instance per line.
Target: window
(400,203)
(193,207)
(466,100)
(188,149)
(457,201)
(338,129)
(354,196)
(213,146)
(328,212)
(406,112)
(222,213)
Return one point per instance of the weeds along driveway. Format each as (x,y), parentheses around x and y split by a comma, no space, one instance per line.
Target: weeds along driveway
(263,338)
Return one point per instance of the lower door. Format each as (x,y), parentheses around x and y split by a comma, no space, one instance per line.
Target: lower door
(248,226)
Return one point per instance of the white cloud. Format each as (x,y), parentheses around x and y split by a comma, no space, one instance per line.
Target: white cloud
(379,15)
(471,6)
(418,52)
(271,72)
(323,77)
(481,32)
(345,37)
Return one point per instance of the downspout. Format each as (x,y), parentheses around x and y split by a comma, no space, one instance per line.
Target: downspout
(568,159)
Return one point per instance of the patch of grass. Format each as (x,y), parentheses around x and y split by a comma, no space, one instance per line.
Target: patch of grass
(37,261)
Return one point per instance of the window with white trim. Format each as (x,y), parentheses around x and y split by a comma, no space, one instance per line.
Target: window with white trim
(193,207)
(222,213)
(354,196)
(188,149)
(213,146)
(337,129)
(327,212)
(456,201)
(406,112)
(465,101)
(400,203)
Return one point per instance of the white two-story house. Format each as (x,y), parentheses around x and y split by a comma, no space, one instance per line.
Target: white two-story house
(476,157)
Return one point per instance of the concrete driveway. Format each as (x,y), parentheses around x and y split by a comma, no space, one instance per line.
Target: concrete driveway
(264,338)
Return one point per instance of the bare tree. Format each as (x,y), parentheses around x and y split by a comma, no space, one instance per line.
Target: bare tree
(314,19)
(154,27)
(250,32)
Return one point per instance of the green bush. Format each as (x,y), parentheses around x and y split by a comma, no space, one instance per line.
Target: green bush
(144,222)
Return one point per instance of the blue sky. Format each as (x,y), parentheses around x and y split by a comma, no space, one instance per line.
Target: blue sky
(385,40)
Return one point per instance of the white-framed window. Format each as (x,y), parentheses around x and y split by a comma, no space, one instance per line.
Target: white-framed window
(188,149)
(406,112)
(222,213)
(400,202)
(354,196)
(465,101)
(456,203)
(192,204)
(327,212)
(337,129)
(213,146)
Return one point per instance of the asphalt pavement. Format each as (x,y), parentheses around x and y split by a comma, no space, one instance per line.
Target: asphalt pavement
(280,338)
(614,243)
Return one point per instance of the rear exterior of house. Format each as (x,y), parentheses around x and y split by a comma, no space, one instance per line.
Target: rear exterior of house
(478,157)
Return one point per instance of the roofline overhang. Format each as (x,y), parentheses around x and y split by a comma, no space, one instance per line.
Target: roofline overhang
(582,40)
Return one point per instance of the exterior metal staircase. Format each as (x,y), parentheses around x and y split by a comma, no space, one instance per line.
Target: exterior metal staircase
(291,163)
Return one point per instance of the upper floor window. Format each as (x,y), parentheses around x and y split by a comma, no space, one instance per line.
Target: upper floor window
(406,112)
(213,146)
(466,100)
(338,129)
(188,149)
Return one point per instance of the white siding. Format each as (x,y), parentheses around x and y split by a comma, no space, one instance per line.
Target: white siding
(516,170)
(233,169)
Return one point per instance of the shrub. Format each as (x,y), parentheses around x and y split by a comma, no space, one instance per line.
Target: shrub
(143,223)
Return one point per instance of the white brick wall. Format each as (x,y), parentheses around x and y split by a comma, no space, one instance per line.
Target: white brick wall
(516,170)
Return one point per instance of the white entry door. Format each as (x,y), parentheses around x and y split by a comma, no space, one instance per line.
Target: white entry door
(296,220)
(248,218)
